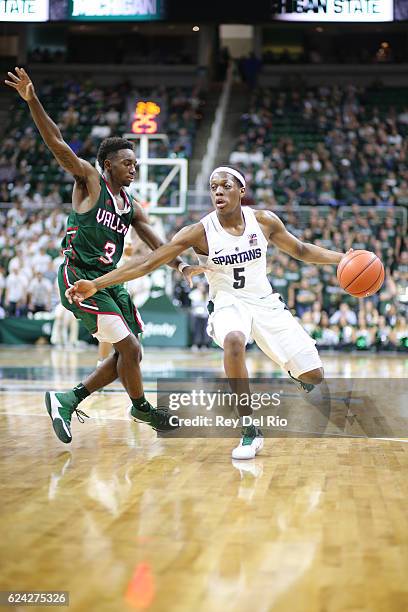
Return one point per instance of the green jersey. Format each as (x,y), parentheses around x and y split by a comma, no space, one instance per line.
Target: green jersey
(94,240)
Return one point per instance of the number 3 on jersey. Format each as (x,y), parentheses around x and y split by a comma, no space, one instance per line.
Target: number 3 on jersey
(239,278)
(109,249)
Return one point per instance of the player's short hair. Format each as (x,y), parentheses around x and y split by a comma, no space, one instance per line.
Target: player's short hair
(111,145)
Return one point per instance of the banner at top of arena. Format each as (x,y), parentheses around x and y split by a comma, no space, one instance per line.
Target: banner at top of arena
(363,11)
(23,10)
(116,10)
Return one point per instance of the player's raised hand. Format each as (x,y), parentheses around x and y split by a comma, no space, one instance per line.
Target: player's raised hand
(21,82)
(190,271)
(81,290)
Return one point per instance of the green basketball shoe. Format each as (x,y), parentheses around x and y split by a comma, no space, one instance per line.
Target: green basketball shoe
(302,386)
(160,419)
(60,407)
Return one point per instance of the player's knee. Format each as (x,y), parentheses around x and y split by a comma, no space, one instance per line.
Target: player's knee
(129,349)
(135,349)
(234,343)
(314,377)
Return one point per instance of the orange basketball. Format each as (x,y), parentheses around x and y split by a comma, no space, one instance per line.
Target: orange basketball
(360,273)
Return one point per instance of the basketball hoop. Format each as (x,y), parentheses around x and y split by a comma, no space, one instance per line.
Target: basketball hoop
(172,178)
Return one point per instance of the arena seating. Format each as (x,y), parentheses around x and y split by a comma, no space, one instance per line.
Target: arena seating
(331,162)
(326,145)
(312,292)
(85,112)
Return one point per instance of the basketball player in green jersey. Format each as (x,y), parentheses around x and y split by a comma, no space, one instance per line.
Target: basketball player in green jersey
(102,213)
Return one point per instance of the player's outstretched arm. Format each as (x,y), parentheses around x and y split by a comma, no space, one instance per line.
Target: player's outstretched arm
(287,242)
(145,231)
(150,237)
(50,132)
(136,267)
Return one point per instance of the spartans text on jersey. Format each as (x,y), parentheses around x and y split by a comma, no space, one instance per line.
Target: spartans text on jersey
(237,258)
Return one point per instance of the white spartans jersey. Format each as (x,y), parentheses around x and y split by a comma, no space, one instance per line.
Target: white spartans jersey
(237,264)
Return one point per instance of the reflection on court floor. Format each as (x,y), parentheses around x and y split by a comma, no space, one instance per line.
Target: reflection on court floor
(125,520)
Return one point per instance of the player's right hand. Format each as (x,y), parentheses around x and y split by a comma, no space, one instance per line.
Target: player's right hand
(21,82)
(190,271)
(81,290)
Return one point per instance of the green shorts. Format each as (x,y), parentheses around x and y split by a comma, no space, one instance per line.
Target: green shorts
(109,315)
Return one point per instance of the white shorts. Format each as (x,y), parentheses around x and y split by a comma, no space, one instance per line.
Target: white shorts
(277,333)
(111,328)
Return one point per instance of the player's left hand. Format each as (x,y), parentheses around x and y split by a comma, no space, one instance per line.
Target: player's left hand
(190,271)
(21,82)
(80,290)
(344,255)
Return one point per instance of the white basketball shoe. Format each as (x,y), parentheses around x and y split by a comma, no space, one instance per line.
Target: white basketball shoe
(250,444)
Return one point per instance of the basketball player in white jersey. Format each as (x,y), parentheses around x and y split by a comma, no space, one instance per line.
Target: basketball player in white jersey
(231,243)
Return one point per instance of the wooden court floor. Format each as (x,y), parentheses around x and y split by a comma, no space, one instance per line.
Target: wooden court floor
(125,520)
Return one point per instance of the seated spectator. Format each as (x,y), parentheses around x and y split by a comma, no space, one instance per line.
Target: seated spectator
(305,297)
(199,316)
(344,312)
(40,261)
(362,336)
(316,313)
(399,335)
(112,117)
(240,156)
(346,333)
(4,192)
(370,313)
(53,197)
(15,300)
(325,335)
(70,118)
(39,294)
(2,285)
(382,334)
(327,193)
(401,193)
(7,170)
(19,188)
(280,284)
(307,322)
(75,143)
(65,329)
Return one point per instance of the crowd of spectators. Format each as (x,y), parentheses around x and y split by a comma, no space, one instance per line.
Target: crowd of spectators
(330,315)
(326,145)
(335,160)
(334,318)
(86,113)
(30,257)
(338,179)
(34,189)
(30,245)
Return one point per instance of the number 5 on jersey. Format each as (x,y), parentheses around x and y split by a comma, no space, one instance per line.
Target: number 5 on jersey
(239,278)
(109,249)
